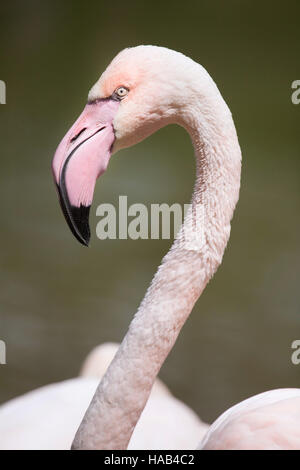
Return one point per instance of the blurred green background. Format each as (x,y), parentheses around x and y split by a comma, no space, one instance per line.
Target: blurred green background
(58,299)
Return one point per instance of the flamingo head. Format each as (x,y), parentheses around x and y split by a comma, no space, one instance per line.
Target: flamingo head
(140,91)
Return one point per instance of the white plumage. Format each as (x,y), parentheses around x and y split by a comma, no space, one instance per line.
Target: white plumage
(48,418)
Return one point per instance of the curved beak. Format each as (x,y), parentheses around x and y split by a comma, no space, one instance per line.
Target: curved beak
(81,157)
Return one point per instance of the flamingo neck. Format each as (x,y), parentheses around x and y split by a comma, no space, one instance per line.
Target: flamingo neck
(183,274)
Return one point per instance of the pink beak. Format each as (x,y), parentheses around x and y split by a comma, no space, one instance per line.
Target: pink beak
(80,158)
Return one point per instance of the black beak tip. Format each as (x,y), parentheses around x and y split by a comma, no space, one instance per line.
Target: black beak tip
(84,242)
(77,218)
(79,223)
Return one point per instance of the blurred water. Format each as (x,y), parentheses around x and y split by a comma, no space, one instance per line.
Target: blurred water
(58,299)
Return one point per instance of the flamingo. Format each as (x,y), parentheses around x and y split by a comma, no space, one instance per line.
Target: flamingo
(143,89)
(47,418)
(267,421)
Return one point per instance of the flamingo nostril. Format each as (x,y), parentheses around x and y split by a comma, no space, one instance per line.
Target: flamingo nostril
(77,135)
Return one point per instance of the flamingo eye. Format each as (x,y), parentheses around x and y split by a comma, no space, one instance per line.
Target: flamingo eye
(121,92)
